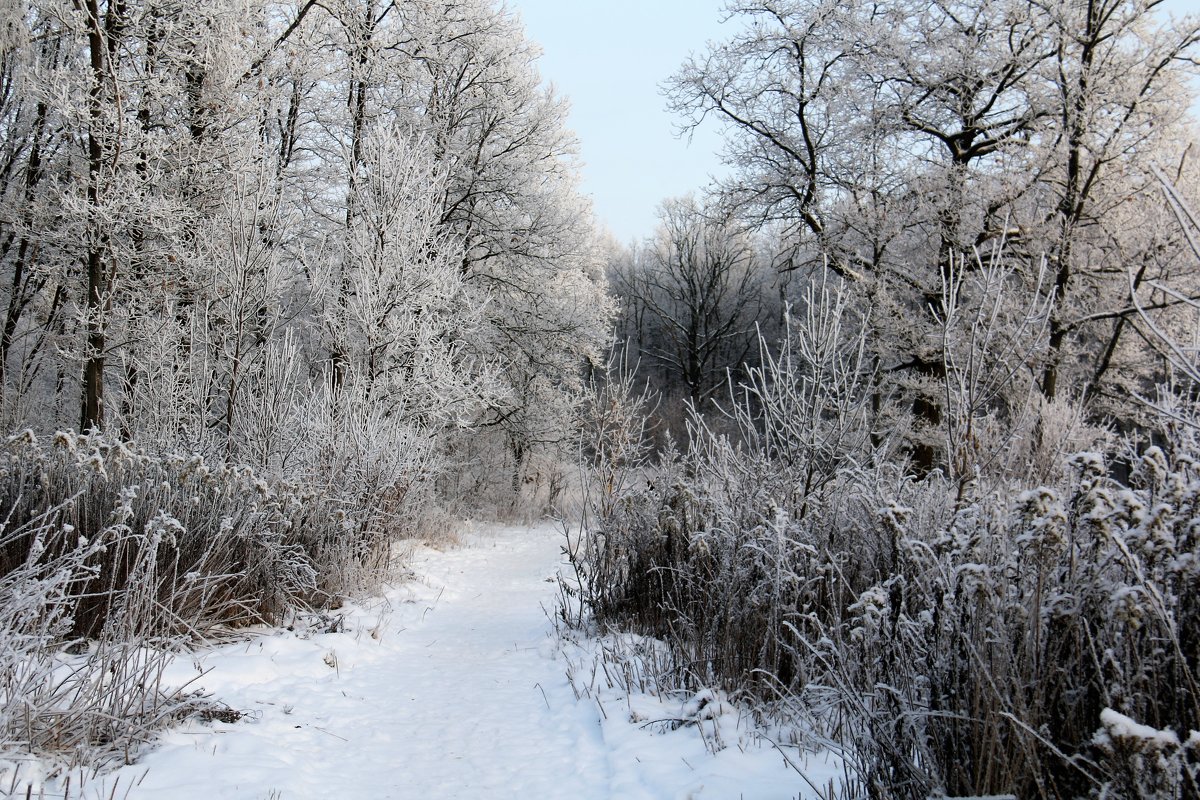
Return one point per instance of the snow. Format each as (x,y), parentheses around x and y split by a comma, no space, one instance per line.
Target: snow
(1119,726)
(685,745)
(453,684)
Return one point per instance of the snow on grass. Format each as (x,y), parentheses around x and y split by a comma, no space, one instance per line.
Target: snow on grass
(451,685)
(1118,726)
(673,744)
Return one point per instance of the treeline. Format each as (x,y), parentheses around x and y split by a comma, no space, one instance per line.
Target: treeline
(898,150)
(240,228)
(938,505)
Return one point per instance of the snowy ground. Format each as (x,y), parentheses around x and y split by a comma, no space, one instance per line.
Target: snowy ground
(452,686)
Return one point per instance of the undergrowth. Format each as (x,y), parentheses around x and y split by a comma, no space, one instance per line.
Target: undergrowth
(990,636)
(111,559)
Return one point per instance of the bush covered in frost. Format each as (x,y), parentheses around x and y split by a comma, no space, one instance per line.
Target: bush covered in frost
(975,636)
(111,557)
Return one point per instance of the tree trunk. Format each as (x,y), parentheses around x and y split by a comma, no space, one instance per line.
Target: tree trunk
(356,101)
(92,410)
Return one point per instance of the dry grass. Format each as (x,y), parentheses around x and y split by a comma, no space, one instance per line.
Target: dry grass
(112,559)
(959,638)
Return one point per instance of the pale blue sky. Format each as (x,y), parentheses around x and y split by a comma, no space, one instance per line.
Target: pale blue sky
(609,58)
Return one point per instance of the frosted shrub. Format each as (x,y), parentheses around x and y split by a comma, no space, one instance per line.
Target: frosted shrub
(373,471)
(978,652)
(977,634)
(614,457)
(1010,633)
(721,548)
(110,558)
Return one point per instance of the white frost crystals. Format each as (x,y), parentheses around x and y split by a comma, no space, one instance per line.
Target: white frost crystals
(1155,757)
(1117,726)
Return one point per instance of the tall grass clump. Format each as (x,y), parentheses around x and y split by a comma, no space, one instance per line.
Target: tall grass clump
(112,558)
(1019,622)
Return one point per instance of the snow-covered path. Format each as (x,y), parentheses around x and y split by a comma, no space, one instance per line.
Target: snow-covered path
(449,689)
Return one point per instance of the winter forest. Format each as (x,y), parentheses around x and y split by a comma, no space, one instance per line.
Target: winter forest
(888,438)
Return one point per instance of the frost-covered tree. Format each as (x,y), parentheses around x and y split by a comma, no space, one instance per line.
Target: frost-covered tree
(1120,106)
(355,194)
(893,141)
(510,196)
(691,296)
(401,306)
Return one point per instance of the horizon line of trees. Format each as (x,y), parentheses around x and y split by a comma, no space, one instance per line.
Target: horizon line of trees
(233,226)
(899,150)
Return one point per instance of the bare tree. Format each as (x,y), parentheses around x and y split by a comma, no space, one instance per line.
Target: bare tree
(891,141)
(698,288)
